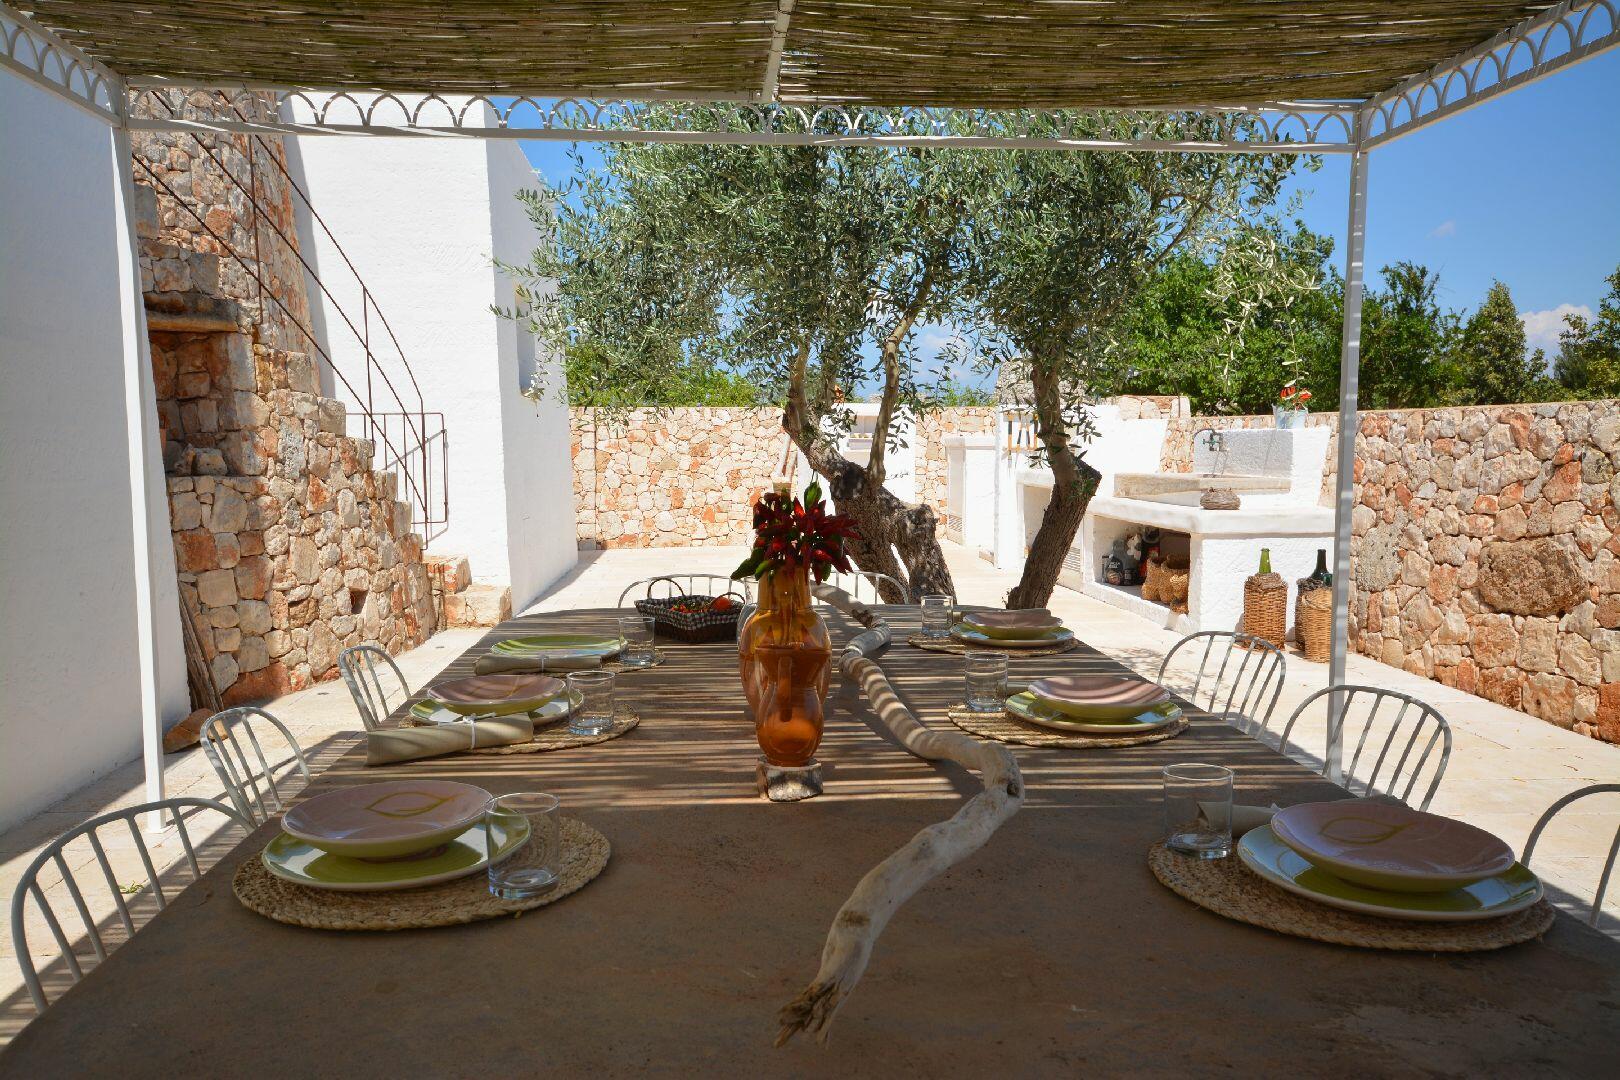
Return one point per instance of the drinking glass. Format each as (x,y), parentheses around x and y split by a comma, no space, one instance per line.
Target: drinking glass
(637,631)
(1198,810)
(531,870)
(936,615)
(986,680)
(595,712)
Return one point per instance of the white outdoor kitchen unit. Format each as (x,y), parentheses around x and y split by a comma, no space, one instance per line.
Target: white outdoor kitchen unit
(997,495)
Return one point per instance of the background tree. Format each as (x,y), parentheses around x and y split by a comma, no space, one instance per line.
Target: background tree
(1407,360)
(803,269)
(1588,363)
(1281,295)
(1492,359)
(1060,244)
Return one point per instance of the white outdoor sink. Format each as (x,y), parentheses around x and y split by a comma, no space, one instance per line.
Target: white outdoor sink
(1187,488)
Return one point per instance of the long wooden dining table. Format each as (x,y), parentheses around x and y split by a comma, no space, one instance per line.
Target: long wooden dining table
(1053,950)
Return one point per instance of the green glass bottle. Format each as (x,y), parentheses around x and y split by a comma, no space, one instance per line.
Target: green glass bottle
(1265,560)
(1320,575)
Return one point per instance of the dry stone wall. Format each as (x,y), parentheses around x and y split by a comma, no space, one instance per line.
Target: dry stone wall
(689,476)
(1486,550)
(289,547)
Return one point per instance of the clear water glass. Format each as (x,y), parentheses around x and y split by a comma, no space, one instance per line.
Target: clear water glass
(936,614)
(595,712)
(637,631)
(532,869)
(1198,810)
(986,680)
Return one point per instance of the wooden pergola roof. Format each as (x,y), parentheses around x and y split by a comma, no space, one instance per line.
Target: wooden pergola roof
(1041,53)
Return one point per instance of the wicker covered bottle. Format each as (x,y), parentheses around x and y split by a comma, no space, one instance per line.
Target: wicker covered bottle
(1265,603)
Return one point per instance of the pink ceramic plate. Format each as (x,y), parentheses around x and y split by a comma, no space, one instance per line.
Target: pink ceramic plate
(387,820)
(1022,619)
(1099,697)
(496,693)
(1385,845)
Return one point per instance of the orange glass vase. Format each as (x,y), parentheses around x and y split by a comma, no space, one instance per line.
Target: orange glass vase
(784,655)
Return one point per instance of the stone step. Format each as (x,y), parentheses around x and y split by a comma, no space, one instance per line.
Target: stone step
(478,605)
(450,573)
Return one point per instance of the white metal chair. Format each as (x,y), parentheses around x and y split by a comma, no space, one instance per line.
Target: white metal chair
(250,782)
(1614,847)
(28,885)
(1355,727)
(688,585)
(863,585)
(362,668)
(1238,680)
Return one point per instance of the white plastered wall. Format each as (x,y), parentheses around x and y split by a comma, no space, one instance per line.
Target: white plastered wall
(421,220)
(71,707)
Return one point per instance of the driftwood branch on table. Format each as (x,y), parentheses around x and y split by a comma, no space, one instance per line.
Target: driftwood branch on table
(925,856)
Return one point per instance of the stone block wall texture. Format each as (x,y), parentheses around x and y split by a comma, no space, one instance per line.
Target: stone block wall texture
(690,476)
(1486,550)
(289,547)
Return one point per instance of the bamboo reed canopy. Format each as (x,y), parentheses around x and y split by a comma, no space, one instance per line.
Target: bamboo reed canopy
(1042,53)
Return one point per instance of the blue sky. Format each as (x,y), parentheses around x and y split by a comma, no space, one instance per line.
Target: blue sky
(1525,188)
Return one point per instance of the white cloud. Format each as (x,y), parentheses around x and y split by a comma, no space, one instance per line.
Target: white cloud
(932,340)
(1444,229)
(1541,328)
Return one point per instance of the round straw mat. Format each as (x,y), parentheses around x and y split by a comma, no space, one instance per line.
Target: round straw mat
(1227,887)
(947,645)
(584,853)
(557,736)
(1003,727)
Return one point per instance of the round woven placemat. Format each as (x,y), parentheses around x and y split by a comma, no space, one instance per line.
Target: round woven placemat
(557,736)
(1004,727)
(947,645)
(1227,887)
(584,853)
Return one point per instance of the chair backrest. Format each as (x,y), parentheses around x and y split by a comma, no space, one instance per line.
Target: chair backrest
(1239,677)
(865,585)
(362,668)
(1367,724)
(28,885)
(685,585)
(1614,846)
(250,781)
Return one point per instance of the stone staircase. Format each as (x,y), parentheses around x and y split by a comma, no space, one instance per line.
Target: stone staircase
(458,601)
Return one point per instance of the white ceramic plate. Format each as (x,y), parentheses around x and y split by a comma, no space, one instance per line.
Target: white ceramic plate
(1027,706)
(1503,894)
(558,708)
(1048,638)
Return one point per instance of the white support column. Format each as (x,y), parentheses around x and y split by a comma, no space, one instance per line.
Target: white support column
(1349,380)
(140,404)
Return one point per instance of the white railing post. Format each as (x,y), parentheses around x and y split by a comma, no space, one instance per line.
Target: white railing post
(1344,486)
(140,405)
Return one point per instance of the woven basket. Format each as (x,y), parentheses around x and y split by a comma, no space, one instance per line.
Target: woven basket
(1313,621)
(1265,608)
(693,627)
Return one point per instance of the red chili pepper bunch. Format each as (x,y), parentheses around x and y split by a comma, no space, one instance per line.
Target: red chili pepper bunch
(791,533)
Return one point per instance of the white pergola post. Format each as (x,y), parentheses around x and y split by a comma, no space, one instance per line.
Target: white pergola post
(140,399)
(1355,247)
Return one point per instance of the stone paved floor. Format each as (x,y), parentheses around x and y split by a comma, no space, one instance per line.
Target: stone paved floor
(1506,767)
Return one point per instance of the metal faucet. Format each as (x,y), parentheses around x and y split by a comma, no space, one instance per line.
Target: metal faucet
(1217,447)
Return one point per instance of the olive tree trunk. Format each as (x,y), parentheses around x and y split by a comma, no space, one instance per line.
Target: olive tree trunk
(1074,482)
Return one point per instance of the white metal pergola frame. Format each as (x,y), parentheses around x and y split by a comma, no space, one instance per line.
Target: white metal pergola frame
(1558,38)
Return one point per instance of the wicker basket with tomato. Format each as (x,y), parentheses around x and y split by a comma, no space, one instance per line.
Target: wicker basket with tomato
(693,617)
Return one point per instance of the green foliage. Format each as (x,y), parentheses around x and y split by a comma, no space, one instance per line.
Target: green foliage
(1494,368)
(955,395)
(1407,360)
(594,380)
(1175,337)
(1588,363)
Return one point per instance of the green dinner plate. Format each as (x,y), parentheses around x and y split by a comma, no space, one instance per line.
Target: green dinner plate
(561,645)
(291,859)
(559,707)
(1027,706)
(1512,890)
(1056,636)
